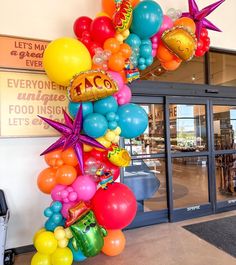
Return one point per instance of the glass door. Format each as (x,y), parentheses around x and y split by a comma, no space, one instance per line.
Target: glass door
(188,156)
(146,176)
(224,131)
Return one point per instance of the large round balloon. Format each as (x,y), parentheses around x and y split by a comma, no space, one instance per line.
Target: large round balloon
(46,243)
(81,25)
(95,125)
(64,58)
(105,105)
(47,180)
(41,259)
(147,19)
(62,256)
(114,208)
(133,120)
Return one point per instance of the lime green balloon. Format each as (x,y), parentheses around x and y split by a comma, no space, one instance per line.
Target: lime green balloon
(65,57)
(45,243)
(62,256)
(41,259)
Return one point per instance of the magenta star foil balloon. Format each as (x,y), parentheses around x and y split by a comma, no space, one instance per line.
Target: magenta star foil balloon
(71,136)
(199,16)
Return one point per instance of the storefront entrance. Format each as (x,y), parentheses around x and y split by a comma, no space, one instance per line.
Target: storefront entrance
(184,165)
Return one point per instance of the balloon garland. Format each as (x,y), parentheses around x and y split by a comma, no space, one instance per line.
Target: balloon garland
(89,208)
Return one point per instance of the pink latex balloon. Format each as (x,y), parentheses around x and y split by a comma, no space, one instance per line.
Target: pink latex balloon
(85,187)
(57,191)
(123,96)
(65,209)
(117,78)
(166,24)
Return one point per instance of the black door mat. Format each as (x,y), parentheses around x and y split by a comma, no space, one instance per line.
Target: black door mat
(220,233)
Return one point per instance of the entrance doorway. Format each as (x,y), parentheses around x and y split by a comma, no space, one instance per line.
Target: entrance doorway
(184,165)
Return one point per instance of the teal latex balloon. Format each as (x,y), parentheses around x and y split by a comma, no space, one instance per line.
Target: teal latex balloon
(95,125)
(133,40)
(88,235)
(74,108)
(147,19)
(133,120)
(77,254)
(105,105)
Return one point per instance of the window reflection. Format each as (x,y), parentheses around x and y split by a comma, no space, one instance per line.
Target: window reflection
(147,179)
(224,121)
(187,128)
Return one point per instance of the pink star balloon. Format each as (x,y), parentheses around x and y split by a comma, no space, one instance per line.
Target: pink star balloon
(71,136)
(199,16)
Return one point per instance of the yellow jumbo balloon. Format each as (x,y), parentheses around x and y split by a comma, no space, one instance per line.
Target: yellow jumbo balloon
(41,259)
(65,57)
(46,243)
(38,233)
(62,256)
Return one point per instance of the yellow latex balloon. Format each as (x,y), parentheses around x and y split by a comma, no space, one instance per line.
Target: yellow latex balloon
(68,233)
(64,58)
(41,259)
(110,136)
(87,148)
(102,14)
(38,233)
(104,142)
(46,243)
(60,234)
(62,243)
(62,256)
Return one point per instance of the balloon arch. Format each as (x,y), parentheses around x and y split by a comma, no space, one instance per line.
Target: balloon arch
(90,207)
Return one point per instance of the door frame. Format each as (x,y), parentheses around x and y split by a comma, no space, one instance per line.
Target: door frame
(152,92)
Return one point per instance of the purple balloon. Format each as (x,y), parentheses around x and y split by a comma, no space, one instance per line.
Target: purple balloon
(85,187)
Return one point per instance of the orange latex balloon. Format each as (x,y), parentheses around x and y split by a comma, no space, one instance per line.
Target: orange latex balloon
(66,175)
(163,54)
(126,50)
(187,23)
(47,180)
(111,44)
(53,158)
(114,243)
(69,157)
(109,7)
(116,62)
(171,65)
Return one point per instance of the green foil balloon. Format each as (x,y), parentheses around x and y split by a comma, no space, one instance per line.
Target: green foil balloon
(88,235)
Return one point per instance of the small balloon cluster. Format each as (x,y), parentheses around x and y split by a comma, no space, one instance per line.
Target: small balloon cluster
(89,205)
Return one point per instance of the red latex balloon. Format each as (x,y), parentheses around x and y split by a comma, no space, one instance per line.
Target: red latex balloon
(101,29)
(114,208)
(81,24)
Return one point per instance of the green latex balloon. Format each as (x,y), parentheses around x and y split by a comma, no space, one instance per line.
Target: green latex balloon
(88,235)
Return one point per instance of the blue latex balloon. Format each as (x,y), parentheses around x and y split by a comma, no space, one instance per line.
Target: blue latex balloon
(56,207)
(95,125)
(77,254)
(147,19)
(111,116)
(147,41)
(133,40)
(48,212)
(105,105)
(112,125)
(133,120)
(145,50)
(74,107)
(142,67)
(149,60)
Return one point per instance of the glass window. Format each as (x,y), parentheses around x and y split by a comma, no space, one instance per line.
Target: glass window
(188,72)
(152,140)
(147,179)
(190,181)
(224,121)
(188,128)
(225,176)
(222,69)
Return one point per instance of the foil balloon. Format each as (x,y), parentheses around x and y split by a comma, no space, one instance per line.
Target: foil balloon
(88,235)
(104,176)
(119,156)
(123,16)
(91,86)
(71,136)
(75,212)
(181,42)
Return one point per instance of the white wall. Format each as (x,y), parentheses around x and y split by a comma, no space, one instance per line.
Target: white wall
(19,158)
